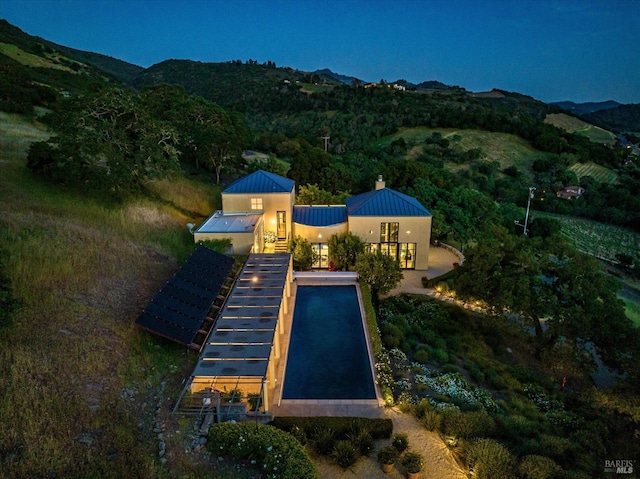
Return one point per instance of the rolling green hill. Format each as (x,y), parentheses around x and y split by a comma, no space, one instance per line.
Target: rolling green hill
(504,148)
(575,125)
(621,119)
(52,52)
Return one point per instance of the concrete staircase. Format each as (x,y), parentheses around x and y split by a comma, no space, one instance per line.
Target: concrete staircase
(280,246)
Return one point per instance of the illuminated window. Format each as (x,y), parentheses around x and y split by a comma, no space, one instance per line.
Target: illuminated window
(256,203)
(389,232)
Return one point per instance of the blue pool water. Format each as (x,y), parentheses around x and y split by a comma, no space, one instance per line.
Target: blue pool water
(328,356)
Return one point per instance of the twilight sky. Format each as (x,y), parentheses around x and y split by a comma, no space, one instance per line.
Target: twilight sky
(579,50)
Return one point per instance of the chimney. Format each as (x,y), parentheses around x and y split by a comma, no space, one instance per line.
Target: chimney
(379,183)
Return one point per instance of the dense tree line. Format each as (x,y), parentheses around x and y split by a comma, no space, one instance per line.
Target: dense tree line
(561,293)
(115,140)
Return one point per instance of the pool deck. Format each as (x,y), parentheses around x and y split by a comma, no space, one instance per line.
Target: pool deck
(440,261)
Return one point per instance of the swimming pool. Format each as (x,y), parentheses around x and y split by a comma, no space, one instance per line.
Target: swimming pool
(328,356)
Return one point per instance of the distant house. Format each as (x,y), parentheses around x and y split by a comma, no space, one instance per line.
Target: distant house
(263,204)
(570,192)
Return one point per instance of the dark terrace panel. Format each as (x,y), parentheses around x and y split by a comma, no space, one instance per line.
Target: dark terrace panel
(179,310)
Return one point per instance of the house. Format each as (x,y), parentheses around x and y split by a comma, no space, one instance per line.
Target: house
(263,204)
(570,192)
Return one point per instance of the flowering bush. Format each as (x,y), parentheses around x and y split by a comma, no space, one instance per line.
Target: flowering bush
(384,377)
(270,237)
(398,355)
(541,399)
(457,388)
(278,454)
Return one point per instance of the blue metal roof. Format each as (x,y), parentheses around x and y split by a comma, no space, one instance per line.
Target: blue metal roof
(384,202)
(261,182)
(319,215)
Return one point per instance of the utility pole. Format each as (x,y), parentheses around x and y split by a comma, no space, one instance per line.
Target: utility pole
(526,218)
(326,142)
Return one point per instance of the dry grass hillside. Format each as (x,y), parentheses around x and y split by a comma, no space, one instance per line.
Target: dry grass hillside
(80,387)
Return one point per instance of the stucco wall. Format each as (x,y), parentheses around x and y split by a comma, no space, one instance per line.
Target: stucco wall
(311,232)
(411,229)
(271,203)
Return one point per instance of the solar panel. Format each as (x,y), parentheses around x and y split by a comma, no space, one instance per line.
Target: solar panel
(178,311)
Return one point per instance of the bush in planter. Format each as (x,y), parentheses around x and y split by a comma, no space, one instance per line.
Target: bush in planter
(387,455)
(412,462)
(233,396)
(400,441)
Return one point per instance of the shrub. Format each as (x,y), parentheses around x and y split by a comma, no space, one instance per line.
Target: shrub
(422,408)
(421,356)
(233,396)
(495,379)
(450,368)
(275,452)
(538,467)
(345,453)
(467,425)
(412,462)
(440,355)
(490,459)
(400,441)
(299,434)
(519,427)
(556,447)
(387,455)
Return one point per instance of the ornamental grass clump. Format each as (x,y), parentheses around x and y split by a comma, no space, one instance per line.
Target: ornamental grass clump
(345,453)
(361,439)
(489,459)
(323,440)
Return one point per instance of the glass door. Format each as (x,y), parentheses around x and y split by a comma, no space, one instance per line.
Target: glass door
(281,221)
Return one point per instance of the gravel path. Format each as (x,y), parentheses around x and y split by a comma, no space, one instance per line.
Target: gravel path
(439,462)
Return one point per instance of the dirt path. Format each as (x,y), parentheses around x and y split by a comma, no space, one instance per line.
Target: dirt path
(439,462)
